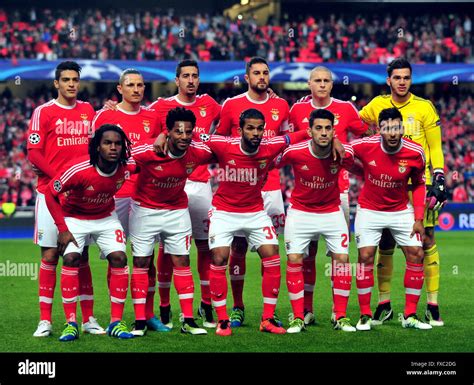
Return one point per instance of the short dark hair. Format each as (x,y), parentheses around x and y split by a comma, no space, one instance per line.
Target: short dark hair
(179,114)
(128,71)
(251,113)
(67,66)
(320,113)
(186,63)
(398,63)
(95,142)
(254,60)
(389,114)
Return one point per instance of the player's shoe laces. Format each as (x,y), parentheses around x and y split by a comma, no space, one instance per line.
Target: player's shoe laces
(189,326)
(139,328)
(118,329)
(237,317)
(364,323)
(92,327)
(156,325)
(270,326)
(432,316)
(205,313)
(309,318)
(70,332)
(223,328)
(296,326)
(344,324)
(166,316)
(413,322)
(44,329)
(382,314)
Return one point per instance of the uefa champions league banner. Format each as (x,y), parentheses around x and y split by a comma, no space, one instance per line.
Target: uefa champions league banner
(219,72)
(456,216)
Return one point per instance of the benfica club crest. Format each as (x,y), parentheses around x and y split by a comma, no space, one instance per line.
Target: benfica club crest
(333,168)
(263,164)
(275,114)
(336,119)
(189,167)
(119,184)
(202,111)
(402,166)
(146,126)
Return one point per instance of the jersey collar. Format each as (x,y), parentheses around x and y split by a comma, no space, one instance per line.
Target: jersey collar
(256,101)
(312,152)
(399,106)
(101,173)
(391,152)
(63,106)
(248,153)
(323,107)
(181,102)
(128,112)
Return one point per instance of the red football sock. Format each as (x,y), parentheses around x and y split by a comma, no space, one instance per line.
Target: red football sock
(341,278)
(204,265)
(118,291)
(295,284)
(218,286)
(365,283)
(237,269)
(139,287)
(108,276)
(165,274)
(309,273)
(47,284)
(150,295)
(270,285)
(414,277)
(86,291)
(70,291)
(184,284)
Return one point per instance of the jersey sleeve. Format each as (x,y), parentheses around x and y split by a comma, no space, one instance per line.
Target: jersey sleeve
(202,152)
(159,127)
(356,125)
(99,119)
(432,127)
(418,181)
(225,123)
(284,159)
(348,161)
(37,130)
(292,119)
(140,152)
(285,125)
(368,113)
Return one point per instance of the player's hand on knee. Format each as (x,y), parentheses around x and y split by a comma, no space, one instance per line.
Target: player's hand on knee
(63,240)
(418,230)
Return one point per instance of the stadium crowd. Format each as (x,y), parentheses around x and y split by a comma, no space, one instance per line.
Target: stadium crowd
(17,179)
(48,34)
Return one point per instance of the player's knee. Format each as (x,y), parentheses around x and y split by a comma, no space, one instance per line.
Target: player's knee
(50,255)
(415,255)
(295,258)
(141,262)
(366,257)
(71,260)
(219,259)
(117,259)
(267,251)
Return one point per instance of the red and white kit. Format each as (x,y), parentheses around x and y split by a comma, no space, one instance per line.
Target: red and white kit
(138,126)
(60,133)
(198,187)
(276,112)
(384,201)
(346,119)
(160,204)
(315,204)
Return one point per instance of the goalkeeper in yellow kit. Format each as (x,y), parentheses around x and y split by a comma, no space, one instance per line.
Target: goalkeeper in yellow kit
(422,124)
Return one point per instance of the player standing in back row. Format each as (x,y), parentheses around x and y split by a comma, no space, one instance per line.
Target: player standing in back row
(276,113)
(422,125)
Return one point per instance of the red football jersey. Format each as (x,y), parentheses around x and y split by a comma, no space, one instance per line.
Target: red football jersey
(386,174)
(139,126)
(86,192)
(316,179)
(206,110)
(241,175)
(276,112)
(60,132)
(161,181)
(346,119)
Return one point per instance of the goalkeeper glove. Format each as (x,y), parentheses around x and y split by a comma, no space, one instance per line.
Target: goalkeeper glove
(437,195)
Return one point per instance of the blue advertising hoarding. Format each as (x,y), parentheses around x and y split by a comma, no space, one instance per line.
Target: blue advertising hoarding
(227,71)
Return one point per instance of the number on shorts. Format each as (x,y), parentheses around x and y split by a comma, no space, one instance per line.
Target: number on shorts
(188,241)
(345,238)
(278,220)
(270,232)
(418,237)
(119,236)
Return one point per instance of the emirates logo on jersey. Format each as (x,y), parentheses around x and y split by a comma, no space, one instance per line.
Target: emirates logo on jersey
(202,111)
(34,138)
(275,114)
(146,126)
(57,186)
(402,166)
(336,119)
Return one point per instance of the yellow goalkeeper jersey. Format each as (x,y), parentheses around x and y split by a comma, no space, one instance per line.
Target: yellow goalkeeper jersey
(421,123)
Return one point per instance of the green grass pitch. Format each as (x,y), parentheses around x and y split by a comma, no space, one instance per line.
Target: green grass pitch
(19,311)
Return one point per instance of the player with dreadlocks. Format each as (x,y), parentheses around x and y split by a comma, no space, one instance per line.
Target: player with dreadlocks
(81,201)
